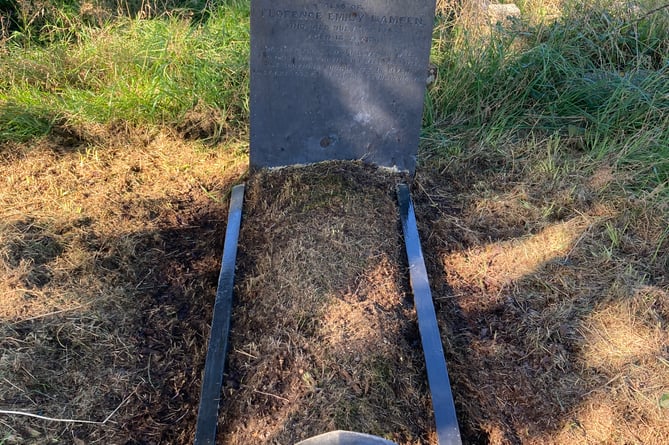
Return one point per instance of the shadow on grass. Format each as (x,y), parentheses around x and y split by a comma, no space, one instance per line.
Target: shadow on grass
(539,314)
(120,318)
(125,327)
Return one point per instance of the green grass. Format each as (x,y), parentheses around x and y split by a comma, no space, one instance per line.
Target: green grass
(139,71)
(597,76)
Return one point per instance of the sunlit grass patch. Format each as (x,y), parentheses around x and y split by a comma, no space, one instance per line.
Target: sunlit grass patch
(624,333)
(625,342)
(139,71)
(499,265)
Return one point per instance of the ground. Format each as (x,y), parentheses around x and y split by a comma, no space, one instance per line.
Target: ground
(549,278)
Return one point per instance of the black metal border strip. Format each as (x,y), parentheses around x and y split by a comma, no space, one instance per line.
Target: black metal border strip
(445,417)
(210,397)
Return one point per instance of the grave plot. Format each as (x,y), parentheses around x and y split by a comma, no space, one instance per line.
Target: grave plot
(324,334)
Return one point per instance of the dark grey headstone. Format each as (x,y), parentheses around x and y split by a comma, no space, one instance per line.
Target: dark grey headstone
(338,80)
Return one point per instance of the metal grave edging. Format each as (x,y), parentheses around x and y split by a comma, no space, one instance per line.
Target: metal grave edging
(210,397)
(448,432)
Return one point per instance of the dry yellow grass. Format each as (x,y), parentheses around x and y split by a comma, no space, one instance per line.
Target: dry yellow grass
(107,248)
(554,299)
(549,276)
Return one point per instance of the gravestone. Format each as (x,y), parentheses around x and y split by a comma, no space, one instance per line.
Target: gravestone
(338,80)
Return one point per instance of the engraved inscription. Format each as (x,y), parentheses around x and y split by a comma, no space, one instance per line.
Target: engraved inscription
(373,20)
(348,26)
(337,62)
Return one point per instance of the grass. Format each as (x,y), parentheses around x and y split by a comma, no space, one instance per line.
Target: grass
(83,233)
(144,72)
(596,77)
(541,193)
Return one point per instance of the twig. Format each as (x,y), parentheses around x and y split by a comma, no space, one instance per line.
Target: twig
(651,12)
(36,317)
(119,406)
(271,395)
(51,419)
(61,311)
(246,354)
(55,419)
